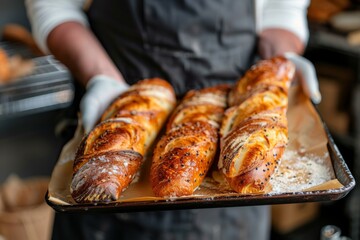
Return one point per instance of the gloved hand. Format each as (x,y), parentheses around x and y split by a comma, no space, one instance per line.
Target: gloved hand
(306,74)
(101,90)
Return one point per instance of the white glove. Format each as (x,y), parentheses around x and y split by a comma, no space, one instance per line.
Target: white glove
(101,90)
(307,74)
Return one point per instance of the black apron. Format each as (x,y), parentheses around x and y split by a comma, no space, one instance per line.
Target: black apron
(191,44)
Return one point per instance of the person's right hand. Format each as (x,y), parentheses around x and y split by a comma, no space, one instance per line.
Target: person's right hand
(101,90)
(276,41)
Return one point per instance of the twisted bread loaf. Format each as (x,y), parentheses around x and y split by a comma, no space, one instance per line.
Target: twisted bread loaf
(254,129)
(184,154)
(110,156)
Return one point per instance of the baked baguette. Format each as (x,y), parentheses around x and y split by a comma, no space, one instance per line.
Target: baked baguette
(110,156)
(185,153)
(254,130)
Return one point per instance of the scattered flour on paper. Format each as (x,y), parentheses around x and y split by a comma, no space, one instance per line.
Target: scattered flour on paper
(298,172)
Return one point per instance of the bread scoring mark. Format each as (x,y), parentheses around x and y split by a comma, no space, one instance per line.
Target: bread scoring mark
(246,145)
(263,76)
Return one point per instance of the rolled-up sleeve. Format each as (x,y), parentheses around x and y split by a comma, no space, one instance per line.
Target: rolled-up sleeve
(286,14)
(45,15)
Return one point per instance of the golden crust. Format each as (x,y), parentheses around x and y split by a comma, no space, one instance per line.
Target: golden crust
(110,156)
(185,153)
(207,104)
(254,129)
(257,179)
(245,147)
(182,159)
(267,75)
(257,103)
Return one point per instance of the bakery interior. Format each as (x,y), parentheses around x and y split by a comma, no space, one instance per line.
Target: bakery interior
(38,116)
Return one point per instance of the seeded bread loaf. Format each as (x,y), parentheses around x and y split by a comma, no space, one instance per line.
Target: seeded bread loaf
(254,131)
(185,153)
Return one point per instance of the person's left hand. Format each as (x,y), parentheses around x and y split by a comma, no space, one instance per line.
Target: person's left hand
(101,90)
(276,41)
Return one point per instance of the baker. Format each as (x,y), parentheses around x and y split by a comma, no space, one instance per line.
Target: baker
(191,44)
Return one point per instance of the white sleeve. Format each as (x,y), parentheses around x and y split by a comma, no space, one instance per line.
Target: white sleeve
(45,15)
(290,15)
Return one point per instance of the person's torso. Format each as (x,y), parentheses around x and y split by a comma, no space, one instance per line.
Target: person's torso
(192,44)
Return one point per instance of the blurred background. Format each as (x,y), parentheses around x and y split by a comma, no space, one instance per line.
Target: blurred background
(39,104)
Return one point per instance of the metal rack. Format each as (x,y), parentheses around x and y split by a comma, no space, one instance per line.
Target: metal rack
(48,87)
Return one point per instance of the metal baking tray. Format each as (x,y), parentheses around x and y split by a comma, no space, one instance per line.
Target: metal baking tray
(342,173)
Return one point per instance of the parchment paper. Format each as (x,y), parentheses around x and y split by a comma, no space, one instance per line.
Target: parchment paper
(307,152)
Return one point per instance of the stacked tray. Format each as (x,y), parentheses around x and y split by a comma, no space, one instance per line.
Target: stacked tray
(48,87)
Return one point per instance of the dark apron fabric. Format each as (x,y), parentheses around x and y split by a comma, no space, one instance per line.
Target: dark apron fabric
(240,223)
(192,44)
